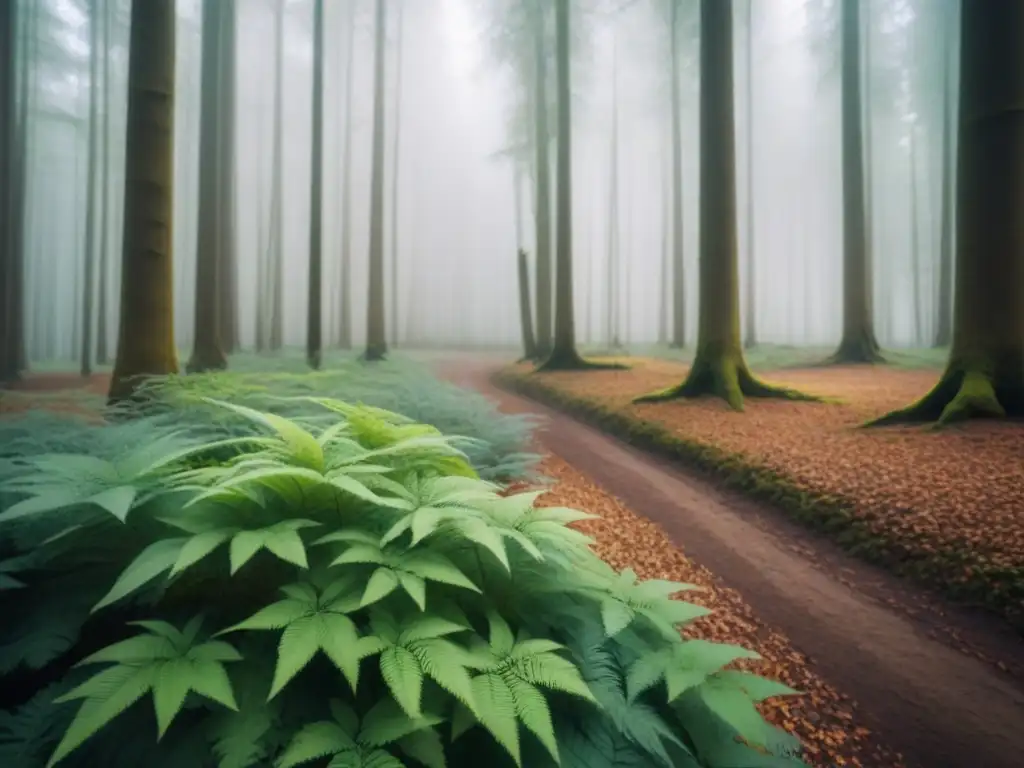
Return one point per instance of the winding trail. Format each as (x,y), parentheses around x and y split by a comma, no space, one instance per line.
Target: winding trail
(937,705)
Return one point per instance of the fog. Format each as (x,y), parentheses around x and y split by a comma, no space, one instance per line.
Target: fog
(460,103)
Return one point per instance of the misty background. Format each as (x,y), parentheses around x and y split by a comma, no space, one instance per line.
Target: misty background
(459,106)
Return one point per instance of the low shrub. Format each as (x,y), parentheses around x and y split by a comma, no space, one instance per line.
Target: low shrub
(346,593)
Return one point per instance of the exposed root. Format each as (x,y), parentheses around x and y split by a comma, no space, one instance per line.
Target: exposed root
(961,394)
(573,361)
(726,377)
(861,349)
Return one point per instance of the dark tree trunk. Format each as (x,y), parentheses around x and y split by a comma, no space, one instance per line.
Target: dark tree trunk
(276,247)
(376,333)
(395,155)
(542,143)
(525,310)
(92,203)
(750,324)
(915,242)
(678,267)
(612,284)
(944,308)
(146,329)
(345,289)
(9,368)
(227,300)
(314,299)
(102,298)
(207,350)
(985,373)
(858,343)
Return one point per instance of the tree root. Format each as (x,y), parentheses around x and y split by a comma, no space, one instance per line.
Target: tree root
(727,378)
(857,350)
(573,361)
(962,393)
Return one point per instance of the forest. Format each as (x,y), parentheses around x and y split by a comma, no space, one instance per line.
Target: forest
(547,383)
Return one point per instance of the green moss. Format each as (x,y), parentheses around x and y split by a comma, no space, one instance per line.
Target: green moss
(998,589)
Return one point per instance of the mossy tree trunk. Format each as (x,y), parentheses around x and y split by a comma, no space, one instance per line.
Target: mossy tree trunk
(146,329)
(207,350)
(858,343)
(985,372)
(227,281)
(542,169)
(719,367)
(750,297)
(944,304)
(678,267)
(314,297)
(345,271)
(376,335)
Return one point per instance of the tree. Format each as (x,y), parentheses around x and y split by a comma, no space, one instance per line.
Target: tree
(276,244)
(103,289)
(345,288)
(146,328)
(525,310)
(613,238)
(750,325)
(985,372)
(678,267)
(563,354)
(9,286)
(395,154)
(92,201)
(314,299)
(227,300)
(719,367)
(208,349)
(858,343)
(542,171)
(944,304)
(376,338)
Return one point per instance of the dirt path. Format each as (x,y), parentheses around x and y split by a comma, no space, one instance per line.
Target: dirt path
(940,707)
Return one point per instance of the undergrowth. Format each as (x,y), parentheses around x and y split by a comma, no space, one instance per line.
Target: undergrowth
(337,588)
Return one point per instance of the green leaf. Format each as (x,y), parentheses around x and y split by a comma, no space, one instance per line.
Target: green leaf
(382,583)
(150,563)
(274,616)
(339,640)
(496,711)
(37,505)
(404,677)
(244,546)
(303,448)
(428,627)
(299,643)
(424,746)
(198,547)
(443,662)
(286,543)
(435,567)
(501,638)
(315,741)
(387,722)
(415,587)
(532,710)
(117,501)
(136,649)
(170,687)
(615,615)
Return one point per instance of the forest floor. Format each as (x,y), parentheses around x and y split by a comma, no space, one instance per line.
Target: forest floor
(898,654)
(944,507)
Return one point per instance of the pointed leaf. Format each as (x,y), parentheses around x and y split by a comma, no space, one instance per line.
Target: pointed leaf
(117,501)
(150,563)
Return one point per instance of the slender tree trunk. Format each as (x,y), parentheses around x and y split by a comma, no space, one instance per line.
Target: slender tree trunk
(612,286)
(750,324)
(542,200)
(207,350)
(985,373)
(9,368)
(525,310)
(944,309)
(915,241)
(146,329)
(261,248)
(276,247)
(678,267)
(92,199)
(719,367)
(666,255)
(314,299)
(345,289)
(227,300)
(376,333)
(102,299)
(858,343)
(395,166)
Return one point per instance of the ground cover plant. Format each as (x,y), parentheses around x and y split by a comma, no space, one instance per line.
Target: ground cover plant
(345,591)
(942,507)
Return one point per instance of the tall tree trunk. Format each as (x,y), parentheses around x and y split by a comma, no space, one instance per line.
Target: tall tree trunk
(9,368)
(542,200)
(276,246)
(376,333)
(146,329)
(750,324)
(985,373)
(345,289)
(666,255)
(858,343)
(262,267)
(395,166)
(207,348)
(525,310)
(678,267)
(314,299)
(944,307)
(719,367)
(612,286)
(227,281)
(915,241)
(102,298)
(92,199)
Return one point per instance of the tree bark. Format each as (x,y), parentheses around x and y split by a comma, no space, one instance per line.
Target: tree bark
(750,324)
(376,333)
(276,247)
(207,348)
(612,284)
(542,269)
(985,372)
(719,367)
(858,343)
(9,368)
(102,298)
(395,155)
(678,266)
(314,299)
(92,202)
(146,329)
(944,307)
(915,242)
(227,300)
(525,310)
(345,289)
